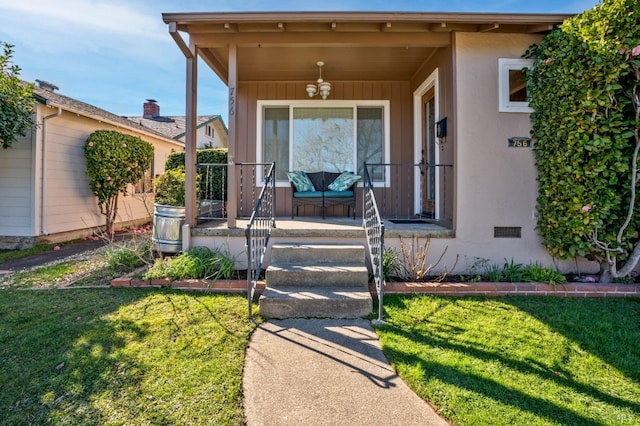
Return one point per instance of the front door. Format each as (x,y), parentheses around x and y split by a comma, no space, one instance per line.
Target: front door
(429,156)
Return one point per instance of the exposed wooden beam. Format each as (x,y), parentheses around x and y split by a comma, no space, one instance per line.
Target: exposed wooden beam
(230,27)
(442,26)
(191,138)
(485,28)
(534,29)
(173,30)
(232,190)
(431,39)
(216,65)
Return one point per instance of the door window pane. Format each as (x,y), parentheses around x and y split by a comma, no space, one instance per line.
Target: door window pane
(276,139)
(323,139)
(370,140)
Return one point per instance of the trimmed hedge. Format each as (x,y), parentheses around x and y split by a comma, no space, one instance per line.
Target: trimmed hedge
(211,182)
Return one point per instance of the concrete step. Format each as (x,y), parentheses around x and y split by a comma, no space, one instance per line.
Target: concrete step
(317,275)
(316,253)
(326,302)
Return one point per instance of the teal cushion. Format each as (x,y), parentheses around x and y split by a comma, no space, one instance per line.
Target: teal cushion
(301,181)
(338,194)
(344,181)
(308,194)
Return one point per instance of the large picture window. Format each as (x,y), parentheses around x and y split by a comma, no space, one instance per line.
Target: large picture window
(337,136)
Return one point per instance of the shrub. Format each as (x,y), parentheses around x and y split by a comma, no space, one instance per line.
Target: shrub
(210,183)
(584,87)
(114,160)
(170,187)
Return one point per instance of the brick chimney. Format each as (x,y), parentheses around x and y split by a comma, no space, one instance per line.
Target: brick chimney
(151,109)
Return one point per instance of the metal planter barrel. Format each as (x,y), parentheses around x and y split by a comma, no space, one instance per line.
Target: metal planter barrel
(167,228)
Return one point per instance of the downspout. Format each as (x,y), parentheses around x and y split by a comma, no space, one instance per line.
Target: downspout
(43,168)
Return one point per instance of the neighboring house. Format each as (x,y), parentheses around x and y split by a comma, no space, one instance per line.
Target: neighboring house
(44,187)
(211,131)
(441,95)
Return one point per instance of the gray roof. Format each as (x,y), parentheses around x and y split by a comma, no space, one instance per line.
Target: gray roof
(48,97)
(173,126)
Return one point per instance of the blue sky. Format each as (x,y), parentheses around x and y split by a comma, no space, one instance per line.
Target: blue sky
(114,54)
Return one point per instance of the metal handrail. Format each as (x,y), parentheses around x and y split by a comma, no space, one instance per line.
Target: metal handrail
(258,232)
(396,185)
(374,229)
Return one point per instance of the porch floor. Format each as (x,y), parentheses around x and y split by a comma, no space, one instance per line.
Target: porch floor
(315,226)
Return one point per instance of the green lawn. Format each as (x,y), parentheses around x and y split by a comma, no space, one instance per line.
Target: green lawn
(149,356)
(519,361)
(121,357)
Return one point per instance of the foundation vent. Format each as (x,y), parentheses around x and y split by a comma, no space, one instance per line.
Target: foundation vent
(507,232)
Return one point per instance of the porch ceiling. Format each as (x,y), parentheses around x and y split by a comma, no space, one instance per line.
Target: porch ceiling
(285,46)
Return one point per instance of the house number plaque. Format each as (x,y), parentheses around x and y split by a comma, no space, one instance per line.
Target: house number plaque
(519,142)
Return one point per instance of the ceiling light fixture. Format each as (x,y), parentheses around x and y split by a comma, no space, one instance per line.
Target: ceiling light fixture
(323,87)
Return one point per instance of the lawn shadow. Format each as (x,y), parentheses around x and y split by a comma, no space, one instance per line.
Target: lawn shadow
(95,356)
(59,350)
(513,397)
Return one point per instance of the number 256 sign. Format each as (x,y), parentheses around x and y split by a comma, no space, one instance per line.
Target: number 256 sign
(519,142)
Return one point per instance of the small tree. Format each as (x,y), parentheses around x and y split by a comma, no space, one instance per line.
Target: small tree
(584,87)
(16,100)
(114,160)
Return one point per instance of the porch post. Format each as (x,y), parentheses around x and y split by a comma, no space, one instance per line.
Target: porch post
(232,187)
(190,137)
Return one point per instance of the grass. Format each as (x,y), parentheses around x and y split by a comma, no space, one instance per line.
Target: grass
(519,361)
(92,271)
(117,357)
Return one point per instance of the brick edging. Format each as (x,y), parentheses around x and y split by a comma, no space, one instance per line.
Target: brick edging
(515,289)
(443,289)
(218,286)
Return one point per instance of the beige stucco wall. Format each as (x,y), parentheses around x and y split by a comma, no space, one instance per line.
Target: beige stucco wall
(495,185)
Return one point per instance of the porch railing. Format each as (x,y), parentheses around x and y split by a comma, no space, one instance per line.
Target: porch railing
(413,191)
(258,232)
(212,188)
(374,229)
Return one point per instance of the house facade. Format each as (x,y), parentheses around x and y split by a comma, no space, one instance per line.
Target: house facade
(211,131)
(434,103)
(43,183)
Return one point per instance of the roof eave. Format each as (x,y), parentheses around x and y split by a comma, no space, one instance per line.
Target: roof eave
(312,17)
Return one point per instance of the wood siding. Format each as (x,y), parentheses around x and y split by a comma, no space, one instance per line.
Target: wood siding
(401,131)
(16,188)
(69,204)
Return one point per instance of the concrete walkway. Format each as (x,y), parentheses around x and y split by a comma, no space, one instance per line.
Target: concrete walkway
(325,372)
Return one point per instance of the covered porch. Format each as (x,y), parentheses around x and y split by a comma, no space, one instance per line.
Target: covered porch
(413,100)
(383,82)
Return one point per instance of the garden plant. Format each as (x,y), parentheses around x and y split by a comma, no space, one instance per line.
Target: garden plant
(16,99)
(584,87)
(114,161)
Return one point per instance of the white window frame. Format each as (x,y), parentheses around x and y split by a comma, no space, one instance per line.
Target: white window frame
(504,66)
(384,104)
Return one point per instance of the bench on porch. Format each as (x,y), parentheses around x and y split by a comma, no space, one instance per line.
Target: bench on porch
(326,190)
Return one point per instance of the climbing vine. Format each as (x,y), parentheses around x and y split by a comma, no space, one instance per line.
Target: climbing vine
(584,87)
